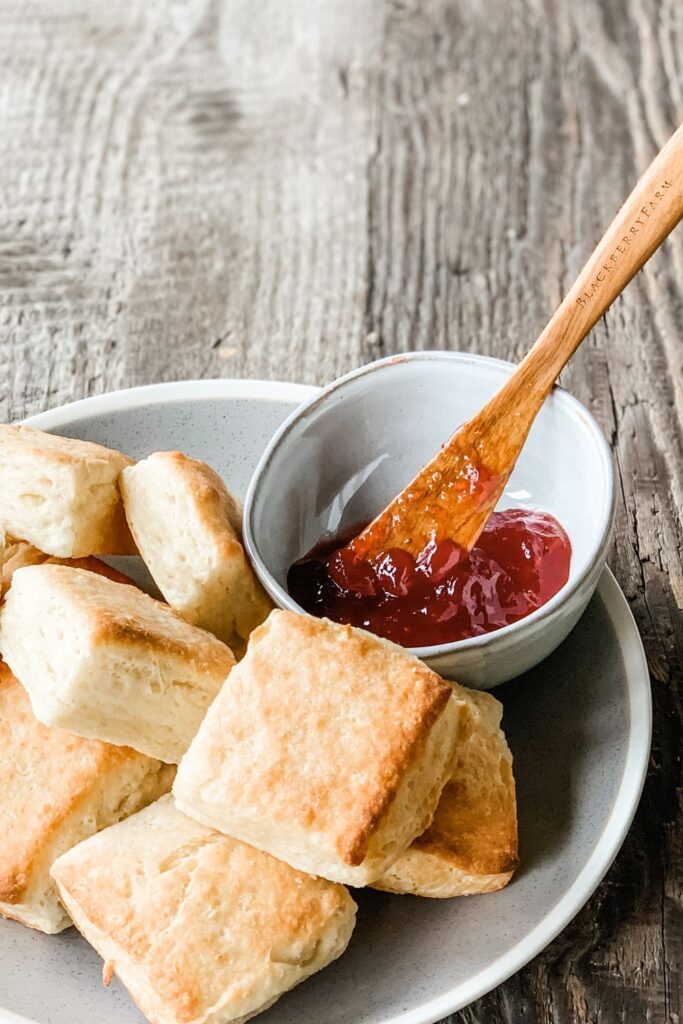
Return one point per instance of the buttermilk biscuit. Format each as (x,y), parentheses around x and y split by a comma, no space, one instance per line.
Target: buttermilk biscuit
(200,928)
(471,845)
(62,495)
(187,527)
(19,553)
(327,747)
(55,790)
(108,662)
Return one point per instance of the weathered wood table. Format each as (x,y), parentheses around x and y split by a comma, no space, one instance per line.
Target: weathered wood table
(289,188)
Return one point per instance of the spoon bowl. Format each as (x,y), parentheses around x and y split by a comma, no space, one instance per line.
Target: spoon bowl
(340,457)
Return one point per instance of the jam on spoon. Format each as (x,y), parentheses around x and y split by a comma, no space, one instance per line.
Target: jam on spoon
(445,594)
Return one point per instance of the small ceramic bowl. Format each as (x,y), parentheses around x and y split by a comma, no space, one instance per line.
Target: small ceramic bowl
(340,457)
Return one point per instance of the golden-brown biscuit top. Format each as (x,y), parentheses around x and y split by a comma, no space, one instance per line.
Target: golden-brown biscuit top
(122,613)
(36,444)
(317,726)
(218,511)
(205,917)
(475,823)
(44,774)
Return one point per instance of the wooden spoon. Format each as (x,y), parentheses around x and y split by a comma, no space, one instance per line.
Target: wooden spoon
(453,496)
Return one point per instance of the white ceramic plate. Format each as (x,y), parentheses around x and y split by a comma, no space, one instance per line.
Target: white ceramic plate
(579,727)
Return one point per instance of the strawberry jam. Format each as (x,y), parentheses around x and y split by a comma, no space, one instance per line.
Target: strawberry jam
(520,561)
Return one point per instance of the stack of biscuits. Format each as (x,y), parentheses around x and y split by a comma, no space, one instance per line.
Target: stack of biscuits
(194,781)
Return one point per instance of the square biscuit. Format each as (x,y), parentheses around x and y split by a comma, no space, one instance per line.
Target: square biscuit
(328,747)
(200,928)
(62,495)
(471,845)
(107,661)
(187,527)
(55,790)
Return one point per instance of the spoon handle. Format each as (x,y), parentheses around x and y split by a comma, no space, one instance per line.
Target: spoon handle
(454,494)
(652,210)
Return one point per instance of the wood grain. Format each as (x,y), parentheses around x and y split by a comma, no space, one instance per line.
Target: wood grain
(206,188)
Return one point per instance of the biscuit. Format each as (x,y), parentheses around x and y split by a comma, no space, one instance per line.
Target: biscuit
(19,553)
(15,555)
(200,928)
(61,494)
(109,662)
(328,747)
(55,790)
(471,845)
(187,527)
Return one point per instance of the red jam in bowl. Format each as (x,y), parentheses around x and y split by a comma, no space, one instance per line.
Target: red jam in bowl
(521,560)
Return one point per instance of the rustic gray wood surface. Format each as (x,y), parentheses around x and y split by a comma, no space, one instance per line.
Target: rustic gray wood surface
(289,188)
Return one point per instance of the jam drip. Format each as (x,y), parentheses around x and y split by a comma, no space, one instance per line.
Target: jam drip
(521,560)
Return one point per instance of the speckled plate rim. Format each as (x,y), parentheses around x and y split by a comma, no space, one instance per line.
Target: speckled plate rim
(637,693)
(171,391)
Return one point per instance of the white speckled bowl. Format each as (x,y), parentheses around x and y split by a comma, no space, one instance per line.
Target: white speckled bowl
(342,456)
